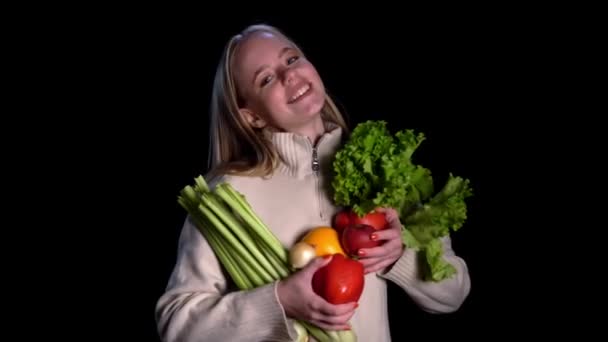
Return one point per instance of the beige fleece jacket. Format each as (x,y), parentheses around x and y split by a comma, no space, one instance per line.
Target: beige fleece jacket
(201,303)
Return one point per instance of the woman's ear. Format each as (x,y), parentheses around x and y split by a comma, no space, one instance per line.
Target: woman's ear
(253,119)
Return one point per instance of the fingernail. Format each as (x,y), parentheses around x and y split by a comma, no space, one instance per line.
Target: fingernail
(361,252)
(374,237)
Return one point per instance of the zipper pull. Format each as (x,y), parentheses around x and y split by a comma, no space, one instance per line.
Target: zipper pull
(315,160)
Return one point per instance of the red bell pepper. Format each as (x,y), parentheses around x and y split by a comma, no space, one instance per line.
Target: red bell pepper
(340,281)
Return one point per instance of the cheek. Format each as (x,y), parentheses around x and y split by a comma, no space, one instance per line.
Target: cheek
(274,97)
(270,102)
(312,74)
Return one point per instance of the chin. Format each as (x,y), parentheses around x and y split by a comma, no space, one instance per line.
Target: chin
(315,105)
(311,111)
(309,104)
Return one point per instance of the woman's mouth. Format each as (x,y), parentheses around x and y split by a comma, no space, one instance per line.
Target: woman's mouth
(303,90)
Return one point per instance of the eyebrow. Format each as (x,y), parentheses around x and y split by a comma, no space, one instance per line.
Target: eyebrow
(261,68)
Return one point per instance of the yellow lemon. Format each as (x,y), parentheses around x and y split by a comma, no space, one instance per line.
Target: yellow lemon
(325,240)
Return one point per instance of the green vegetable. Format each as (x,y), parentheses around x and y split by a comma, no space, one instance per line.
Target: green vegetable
(375,169)
(249,251)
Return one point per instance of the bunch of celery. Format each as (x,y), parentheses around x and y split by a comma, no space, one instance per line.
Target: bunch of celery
(249,251)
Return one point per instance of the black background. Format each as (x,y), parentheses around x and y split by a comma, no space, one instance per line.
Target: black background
(130,93)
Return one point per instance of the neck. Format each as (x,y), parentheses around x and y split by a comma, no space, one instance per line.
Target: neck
(312,131)
(296,154)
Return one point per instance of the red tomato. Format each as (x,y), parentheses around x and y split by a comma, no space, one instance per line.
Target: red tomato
(342,220)
(374,219)
(357,236)
(341,281)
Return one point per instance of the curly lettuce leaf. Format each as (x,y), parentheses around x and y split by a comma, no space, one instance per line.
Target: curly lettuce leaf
(446,211)
(424,227)
(375,169)
(436,268)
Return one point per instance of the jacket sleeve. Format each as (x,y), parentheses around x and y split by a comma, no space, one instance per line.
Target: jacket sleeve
(435,297)
(200,305)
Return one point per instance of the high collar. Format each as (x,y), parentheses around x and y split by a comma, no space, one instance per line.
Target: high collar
(296,151)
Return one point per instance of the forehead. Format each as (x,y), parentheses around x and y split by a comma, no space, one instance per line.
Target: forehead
(258,49)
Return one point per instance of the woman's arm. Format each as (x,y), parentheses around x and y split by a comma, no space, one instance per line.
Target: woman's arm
(436,297)
(198,304)
(395,262)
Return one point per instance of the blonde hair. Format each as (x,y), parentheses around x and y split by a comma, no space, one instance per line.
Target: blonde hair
(235,147)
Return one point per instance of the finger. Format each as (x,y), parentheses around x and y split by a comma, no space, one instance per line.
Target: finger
(377,267)
(389,213)
(385,234)
(329,309)
(374,264)
(392,218)
(366,253)
(380,251)
(369,262)
(382,264)
(327,326)
(372,267)
(316,264)
(378,264)
(334,319)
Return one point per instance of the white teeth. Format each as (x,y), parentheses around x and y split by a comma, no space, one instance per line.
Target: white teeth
(299,93)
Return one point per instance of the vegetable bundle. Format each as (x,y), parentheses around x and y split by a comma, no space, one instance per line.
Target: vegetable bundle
(375,169)
(249,251)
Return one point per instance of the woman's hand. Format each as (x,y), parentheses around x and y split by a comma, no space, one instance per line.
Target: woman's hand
(385,255)
(300,301)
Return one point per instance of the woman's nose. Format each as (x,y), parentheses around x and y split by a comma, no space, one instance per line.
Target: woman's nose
(289,76)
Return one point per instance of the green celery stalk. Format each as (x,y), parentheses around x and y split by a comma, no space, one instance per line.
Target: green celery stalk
(268,244)
(240,278)
(347,336)
(261,275)
(277,264)
(189,200)
(236,201)
(222,212)
(241,272)
(251,253)
(319,334)
(266,247)
(201,185)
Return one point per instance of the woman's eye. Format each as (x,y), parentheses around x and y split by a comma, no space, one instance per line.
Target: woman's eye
(290,60)
(266,80)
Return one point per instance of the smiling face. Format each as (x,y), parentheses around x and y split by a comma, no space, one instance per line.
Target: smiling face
(278,86)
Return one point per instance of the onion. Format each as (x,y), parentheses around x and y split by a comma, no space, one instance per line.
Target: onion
(301,254)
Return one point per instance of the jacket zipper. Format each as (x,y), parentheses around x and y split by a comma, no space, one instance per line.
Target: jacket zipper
(315,160)
(316,167)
